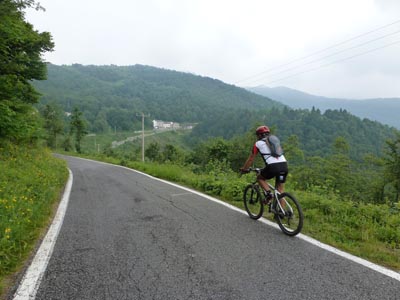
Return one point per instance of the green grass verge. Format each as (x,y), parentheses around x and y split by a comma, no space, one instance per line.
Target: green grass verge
(95,143)
(31,180)
(369,231)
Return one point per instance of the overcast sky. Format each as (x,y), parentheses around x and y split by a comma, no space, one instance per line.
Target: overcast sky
(333,48)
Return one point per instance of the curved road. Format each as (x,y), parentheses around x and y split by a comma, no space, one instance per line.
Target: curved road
(128,236)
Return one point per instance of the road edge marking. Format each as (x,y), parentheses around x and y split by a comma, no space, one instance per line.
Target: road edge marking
(30,283)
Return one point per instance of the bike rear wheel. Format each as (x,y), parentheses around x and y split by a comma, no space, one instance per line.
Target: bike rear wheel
(290,217)
(253,201)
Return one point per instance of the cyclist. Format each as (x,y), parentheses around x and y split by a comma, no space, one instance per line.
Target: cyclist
(275,167)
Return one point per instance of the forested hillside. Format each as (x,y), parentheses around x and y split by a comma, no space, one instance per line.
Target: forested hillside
(316,131)
(111,96)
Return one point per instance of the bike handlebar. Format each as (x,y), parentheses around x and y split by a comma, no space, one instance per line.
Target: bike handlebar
(257,170)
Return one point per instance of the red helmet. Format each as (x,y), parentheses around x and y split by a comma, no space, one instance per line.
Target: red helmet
(262,129)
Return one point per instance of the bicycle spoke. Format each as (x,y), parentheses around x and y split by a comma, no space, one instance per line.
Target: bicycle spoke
(253,201)
(289,215)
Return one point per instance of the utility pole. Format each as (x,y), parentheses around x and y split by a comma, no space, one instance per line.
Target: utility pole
(143,116)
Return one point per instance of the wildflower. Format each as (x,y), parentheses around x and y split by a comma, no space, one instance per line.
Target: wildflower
(7,230)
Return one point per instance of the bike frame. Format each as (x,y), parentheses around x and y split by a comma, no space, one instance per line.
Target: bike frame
(275,192)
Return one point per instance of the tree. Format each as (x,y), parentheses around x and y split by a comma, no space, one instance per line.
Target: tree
(21,48)
(78,127)
(341,146)
(292,150)
(370,175)
(153,152)
(218,149)
(100,124)
(392,164)
(338,169)
(172,153)
(67,143)
(214,149)
(53,123)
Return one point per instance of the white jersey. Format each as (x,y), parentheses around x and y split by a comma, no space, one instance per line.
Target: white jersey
(262,148)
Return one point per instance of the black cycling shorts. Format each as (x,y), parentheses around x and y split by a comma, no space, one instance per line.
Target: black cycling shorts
(278,171)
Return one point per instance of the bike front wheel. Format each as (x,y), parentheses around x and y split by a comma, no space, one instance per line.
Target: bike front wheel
(253,201)
(289,215)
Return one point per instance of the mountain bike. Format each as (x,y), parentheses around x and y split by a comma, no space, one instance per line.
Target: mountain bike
(286,209)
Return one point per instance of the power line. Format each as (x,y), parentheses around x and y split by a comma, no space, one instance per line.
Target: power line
(335,62)
(330,55)
(317,52)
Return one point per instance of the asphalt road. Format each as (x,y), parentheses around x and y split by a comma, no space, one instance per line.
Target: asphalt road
(128,236)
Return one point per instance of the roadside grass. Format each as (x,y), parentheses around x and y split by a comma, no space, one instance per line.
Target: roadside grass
(97,143)
(31,180)
(369,231)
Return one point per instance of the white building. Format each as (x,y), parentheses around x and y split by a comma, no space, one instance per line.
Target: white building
(158,124)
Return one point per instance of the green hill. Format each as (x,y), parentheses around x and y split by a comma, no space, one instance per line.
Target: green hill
(111,96)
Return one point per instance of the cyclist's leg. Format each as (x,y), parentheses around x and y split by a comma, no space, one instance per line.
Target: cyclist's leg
(262,178)
(279,184)
(281,171)
(263,182)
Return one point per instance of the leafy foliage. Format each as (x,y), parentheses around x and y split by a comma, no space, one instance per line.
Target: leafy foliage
(77,128)
(53,123)
(20,62)
(392,165)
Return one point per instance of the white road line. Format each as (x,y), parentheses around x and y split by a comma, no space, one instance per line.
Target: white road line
(181,194)
(366,263)
(31,281)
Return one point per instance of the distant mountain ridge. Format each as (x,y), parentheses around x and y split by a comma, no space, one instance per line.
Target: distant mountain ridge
(383,110)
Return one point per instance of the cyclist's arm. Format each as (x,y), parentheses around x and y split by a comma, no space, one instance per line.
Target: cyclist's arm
(250,160)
